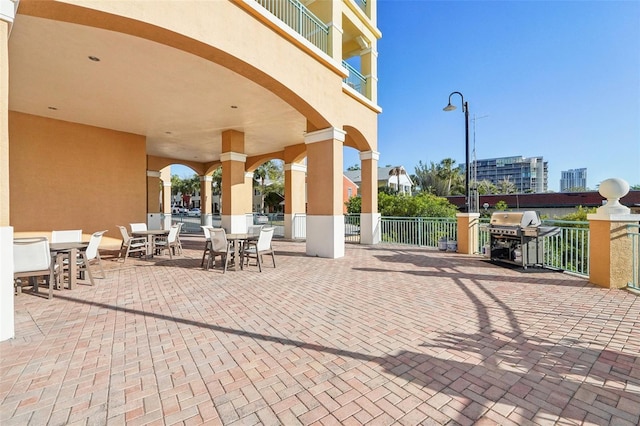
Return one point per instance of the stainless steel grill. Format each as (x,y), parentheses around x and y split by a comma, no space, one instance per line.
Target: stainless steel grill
(517,237)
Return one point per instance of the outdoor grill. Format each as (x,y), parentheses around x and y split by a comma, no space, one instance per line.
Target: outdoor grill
(518,238)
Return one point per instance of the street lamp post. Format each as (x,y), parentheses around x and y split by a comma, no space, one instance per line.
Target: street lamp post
(465,109)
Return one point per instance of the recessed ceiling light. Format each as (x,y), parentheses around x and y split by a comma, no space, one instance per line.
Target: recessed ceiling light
(53,108)
(94,58)
(234,106)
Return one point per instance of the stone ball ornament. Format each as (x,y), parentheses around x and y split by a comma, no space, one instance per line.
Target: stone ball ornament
(613,189)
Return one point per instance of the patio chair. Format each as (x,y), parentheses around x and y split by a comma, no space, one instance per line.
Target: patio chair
(220,246)
(136,227)
(178,242)
(32,259)
(170,242)
(207,242)
(131,244)
(260,247)
(90,256)
(68,236)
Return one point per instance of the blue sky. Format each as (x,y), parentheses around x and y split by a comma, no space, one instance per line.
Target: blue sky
(558,79)
(550,78)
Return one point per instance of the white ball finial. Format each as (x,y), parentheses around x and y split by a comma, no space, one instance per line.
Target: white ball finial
(613,189)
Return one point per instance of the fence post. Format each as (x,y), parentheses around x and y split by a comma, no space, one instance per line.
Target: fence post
(610,250)
(468,230)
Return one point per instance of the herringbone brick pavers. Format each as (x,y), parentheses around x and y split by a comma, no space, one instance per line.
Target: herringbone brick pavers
(385,335)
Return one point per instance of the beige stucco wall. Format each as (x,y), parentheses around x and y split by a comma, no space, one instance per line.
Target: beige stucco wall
(71,176)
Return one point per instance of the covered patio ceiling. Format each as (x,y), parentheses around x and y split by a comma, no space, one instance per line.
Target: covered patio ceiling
(179,101)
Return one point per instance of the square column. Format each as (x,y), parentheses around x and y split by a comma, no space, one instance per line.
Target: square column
(468,232)
(7,329)
(611,249)
(236,192)
(206,216)
(295,195)
(325,221)
(369,216)
(153,199)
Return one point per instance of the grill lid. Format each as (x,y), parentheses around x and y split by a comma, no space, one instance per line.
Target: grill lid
(524,219)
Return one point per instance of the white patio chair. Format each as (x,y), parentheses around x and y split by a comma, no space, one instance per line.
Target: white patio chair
(32,259)
(170,242)
(220,246)
(90,256)
(68,236)
(178,242)
(131,244)
(260,247)
(207,242)
(136,227)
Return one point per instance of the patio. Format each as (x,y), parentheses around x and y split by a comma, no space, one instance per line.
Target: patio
(386,335)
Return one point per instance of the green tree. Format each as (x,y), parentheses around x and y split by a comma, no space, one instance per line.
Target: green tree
(428,179)
(354,205)
(189,188)
(501,206)
(216,181)
(270,171)
(354,167)
(505,186)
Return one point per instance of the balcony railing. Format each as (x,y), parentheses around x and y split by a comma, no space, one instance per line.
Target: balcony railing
(301,20)
(355,80)
(362,4)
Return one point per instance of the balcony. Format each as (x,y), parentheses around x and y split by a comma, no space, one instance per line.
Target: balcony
(301,20)
(355,80)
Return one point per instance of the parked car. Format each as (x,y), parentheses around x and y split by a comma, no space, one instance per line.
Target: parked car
(179,210)
(194,212)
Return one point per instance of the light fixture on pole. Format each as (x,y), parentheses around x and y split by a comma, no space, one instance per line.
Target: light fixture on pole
(465,109)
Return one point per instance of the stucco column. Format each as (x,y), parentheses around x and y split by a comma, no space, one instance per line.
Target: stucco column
(468,232)
(165,217)
(206,215)
(610,248)
(325,221)
(369,68)
(237,194)
(166,204)
(369,216)
(153,199)
(295,196)
(7,329)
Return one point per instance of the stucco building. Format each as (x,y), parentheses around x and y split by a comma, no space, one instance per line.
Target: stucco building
(99,98)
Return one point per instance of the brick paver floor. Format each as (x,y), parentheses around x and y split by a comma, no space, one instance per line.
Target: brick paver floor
(385,335)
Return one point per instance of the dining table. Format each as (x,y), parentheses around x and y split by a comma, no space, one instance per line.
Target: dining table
(150,234)
(70,250)
(238,240)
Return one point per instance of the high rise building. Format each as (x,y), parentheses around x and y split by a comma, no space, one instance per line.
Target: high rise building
(573,179)
(527,174)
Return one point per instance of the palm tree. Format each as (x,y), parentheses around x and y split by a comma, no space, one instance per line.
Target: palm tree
(447,172)
(269,171)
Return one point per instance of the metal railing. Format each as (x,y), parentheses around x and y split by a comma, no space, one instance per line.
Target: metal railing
(633,232)
(352,228)
(418,231)
(355,79)
(569,249)
(362,4)
(301,20)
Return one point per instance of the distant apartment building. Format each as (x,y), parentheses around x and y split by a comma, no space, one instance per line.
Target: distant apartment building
(527,174)
(573,179)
